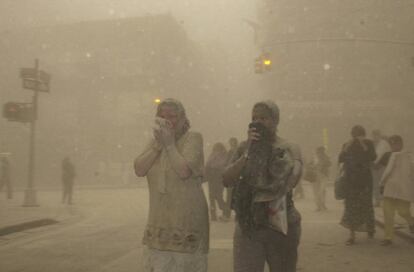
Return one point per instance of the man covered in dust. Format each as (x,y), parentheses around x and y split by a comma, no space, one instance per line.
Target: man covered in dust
(261,174)
(68,180)
(177,231)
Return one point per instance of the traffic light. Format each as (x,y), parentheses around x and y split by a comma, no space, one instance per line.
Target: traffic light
(267,61)
(258,66)
(18,112)
(263,63)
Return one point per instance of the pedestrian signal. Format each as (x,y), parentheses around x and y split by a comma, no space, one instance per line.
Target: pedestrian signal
(18,112)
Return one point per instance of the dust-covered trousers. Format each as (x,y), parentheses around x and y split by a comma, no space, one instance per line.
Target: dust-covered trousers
(265,245)
(390,206)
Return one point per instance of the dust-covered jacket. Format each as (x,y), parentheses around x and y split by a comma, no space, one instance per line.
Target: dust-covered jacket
(398,177)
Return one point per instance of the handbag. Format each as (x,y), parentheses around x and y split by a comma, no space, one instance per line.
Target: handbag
(340,184)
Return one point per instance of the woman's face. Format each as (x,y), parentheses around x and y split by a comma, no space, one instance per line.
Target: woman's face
(170,113)
(262,115)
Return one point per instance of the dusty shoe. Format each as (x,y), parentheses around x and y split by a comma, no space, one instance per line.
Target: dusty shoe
(411,228)
(386,242)
(371,235)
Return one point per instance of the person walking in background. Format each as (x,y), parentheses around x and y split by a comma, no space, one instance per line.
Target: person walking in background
(177,231)
(5,180)
(68,178)
(381,147)
(233,145)
(214,170)
(357,156)
(397,186)
(322,165)
(299,192)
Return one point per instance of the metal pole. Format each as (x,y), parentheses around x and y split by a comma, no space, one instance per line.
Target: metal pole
(30,199)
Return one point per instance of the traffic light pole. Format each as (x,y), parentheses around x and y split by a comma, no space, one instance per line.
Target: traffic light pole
(30,199)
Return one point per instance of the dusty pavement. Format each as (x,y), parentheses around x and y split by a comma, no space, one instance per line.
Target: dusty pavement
(102,232)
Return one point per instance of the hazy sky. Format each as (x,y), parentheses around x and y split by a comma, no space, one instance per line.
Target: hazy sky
(204,20)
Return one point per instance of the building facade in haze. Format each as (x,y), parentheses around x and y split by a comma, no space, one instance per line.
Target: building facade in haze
(339,63)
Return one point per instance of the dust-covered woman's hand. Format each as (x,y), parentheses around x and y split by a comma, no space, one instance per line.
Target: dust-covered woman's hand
(166,134)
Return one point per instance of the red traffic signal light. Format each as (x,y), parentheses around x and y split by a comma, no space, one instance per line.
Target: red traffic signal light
(18,112)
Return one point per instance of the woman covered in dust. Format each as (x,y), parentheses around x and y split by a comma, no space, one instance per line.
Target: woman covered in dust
(357,156)
(177,231)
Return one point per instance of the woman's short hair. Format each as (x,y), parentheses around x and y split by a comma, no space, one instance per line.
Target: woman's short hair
(358,131)
(396,139)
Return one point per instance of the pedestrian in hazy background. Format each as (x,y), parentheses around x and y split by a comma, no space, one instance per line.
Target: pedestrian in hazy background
(322,166)
(68,180)
(397,186)
(233,146)
(214,170)
(381,147)
(177,231)
(357,156)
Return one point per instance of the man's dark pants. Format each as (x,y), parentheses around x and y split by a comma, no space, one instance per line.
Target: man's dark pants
(266,246)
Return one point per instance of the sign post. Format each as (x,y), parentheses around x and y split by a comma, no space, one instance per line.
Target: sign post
(38,81)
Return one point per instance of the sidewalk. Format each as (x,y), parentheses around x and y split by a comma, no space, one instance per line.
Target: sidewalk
(15,218)
(12,213)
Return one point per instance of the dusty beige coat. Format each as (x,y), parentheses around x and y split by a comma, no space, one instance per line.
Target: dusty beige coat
(178,214)
(398,177)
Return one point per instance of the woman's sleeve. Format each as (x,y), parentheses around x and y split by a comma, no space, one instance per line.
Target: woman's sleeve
(193,154)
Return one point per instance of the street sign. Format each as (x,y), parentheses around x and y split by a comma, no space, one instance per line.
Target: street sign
(35,85)
(36,80)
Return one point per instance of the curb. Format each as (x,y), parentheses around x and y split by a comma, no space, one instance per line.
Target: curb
(26,225)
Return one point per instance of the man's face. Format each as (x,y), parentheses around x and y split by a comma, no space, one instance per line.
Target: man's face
(263,115)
